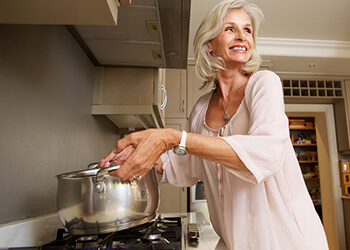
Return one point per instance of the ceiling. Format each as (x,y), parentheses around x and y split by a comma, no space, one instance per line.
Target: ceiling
(297,36)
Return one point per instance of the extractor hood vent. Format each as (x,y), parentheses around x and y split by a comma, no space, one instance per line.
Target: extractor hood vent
(150,33)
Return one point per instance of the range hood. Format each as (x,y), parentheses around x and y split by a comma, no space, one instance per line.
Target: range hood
(150,33)
(141,33)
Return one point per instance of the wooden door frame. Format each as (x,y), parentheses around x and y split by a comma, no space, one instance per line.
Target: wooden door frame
(333,208)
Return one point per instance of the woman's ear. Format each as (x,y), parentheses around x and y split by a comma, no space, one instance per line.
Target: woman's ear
(210,48)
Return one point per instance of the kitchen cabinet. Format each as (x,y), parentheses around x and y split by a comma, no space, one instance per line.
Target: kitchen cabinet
(77,12)
(173,199)
(176,88)
(194,83)
(303,137)
(183,92)
(178,124)
(132,98)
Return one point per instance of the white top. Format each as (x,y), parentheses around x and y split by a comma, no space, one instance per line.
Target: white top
(268,208)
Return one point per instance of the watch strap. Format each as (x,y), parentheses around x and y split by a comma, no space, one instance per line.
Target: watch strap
(183,139)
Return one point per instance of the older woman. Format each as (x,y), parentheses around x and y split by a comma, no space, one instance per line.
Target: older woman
(239,138)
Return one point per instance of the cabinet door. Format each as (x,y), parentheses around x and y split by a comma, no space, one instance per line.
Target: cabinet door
(193,88)
(176,89)
(178,124)
(173,199)
(124,86)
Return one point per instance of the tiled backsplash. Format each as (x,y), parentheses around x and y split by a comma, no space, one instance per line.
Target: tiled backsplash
(28,233)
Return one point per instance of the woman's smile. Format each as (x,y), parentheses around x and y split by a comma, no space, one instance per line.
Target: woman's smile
(239,48)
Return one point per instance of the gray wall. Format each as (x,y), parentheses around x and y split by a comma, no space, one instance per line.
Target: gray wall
(46,85)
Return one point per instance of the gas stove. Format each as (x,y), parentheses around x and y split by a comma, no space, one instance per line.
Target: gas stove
(161,233)
(171,231)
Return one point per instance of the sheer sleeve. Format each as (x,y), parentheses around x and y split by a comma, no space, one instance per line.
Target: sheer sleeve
(263,149)
(185,171)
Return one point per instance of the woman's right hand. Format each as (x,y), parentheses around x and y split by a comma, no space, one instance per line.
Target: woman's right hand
(148,146)
(117,158)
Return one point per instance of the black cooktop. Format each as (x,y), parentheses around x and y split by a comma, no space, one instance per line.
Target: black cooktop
(162,233)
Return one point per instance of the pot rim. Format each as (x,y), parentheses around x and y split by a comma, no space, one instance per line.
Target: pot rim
(80,174)
(87,173)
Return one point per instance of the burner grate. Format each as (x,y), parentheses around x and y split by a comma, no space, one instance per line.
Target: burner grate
(166,232)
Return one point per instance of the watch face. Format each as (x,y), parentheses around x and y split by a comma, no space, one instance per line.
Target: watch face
(180,151)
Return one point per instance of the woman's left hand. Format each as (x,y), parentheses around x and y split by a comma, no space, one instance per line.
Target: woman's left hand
(147,146)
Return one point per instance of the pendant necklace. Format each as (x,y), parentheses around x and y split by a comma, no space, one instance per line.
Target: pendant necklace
(227,116)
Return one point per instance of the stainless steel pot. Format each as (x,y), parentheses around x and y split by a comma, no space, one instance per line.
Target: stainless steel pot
(92,202)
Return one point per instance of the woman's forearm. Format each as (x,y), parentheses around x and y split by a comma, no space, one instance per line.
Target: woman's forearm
(214,149)
(148,146)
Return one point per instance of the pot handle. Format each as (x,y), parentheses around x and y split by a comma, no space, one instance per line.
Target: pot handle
(92,165)
(101,174)
(103,171)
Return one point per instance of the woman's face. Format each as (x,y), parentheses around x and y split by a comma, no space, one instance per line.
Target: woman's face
(235,42)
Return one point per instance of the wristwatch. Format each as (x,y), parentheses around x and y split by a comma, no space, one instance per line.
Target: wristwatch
(181,148)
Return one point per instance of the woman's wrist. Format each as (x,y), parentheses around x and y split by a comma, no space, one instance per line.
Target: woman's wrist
(171,138)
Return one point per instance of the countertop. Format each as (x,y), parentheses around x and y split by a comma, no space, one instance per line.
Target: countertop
(208,239)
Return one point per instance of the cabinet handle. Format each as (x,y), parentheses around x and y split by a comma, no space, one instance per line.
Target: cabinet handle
(162,106)
(183,106)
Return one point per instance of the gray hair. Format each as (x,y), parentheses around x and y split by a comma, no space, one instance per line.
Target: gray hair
(210,28)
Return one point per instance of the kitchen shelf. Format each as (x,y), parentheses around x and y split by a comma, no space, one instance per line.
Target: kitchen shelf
(317,202)
(315,178)
(308,162)
(301,128)
(303,137)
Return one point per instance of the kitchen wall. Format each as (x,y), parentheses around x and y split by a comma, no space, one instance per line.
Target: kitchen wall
(46,128)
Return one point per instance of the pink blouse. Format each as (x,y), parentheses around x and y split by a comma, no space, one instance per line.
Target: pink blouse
(269,207)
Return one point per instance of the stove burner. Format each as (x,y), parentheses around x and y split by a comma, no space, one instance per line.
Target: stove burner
(154,232)
(159,234)
(154,236)
(87,238)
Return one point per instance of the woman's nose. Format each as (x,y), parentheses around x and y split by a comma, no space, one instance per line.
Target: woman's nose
(241,35)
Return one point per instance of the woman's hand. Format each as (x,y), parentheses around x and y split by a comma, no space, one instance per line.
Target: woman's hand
(117,158)
(139,151)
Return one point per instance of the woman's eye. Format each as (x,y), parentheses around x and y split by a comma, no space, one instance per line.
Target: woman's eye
(229,29)
(248,31)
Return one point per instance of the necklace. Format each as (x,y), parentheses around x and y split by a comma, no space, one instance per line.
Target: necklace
(227,116)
